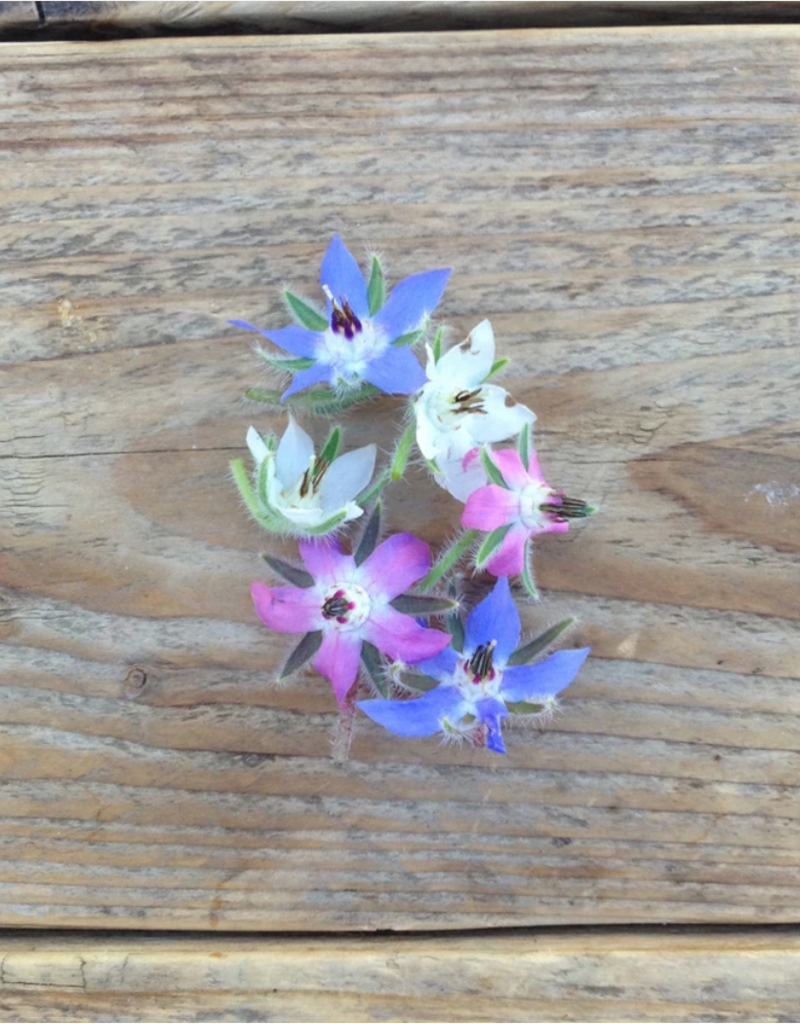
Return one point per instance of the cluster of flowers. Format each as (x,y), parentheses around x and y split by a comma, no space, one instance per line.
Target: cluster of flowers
(359,622)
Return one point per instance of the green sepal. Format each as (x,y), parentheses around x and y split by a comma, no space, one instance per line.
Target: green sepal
(453,623)
(376,289)
(408,339)
(410,604)
(266,395)
(436,345)
(418,681)
(433,466)
(268,519)
(402,451)
(490,544)
(525,654)
(306,649)
(327,526)
(289,365)
(491,470)
(307,315)
(369,538)
(497,366)
(524,445)
(324,402)
(291,573)
(331,447)
(527,570)
(315,401)
(524,708)
(373,490)
(373,663)
(448,560)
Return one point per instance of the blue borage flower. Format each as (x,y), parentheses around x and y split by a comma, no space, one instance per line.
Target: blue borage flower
(355,342)
(477,684)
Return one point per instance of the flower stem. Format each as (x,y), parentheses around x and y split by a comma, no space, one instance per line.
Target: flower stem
(449,559)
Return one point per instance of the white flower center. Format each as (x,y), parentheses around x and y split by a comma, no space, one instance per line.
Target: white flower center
(351,356)
(346,606)
(477,676)
(534,495)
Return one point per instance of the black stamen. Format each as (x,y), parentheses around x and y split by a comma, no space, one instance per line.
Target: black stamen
(570,508)
(469,401)
(481,661)
(343,319)
(336,607)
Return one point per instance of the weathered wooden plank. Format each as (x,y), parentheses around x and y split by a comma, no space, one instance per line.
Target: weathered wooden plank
(155,16)
(631,198)
(19,15)
(560,976)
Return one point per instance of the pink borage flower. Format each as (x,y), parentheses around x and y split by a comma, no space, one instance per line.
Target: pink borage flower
(349,604)
(518,505)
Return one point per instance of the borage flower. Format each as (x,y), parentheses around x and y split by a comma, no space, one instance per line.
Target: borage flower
(299,492)
(343,605)
(361,338)
(480,685)
(517,506)
(457,411)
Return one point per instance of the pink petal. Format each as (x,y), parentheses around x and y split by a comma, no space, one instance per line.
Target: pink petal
(325,561)
(394,565)
(401,637)
(469,458)
(510,465)
(337,660)
(287,609)
(490,507)
(510,556)
(534,469)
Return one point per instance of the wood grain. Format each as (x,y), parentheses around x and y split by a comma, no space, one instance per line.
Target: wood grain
(623,206)
(559,976)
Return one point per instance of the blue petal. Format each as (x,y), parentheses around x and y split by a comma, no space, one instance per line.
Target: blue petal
(495,618)
(341,273)
(296,340)
(397,372)
(441,666)
(409,302)
(533,683)
(316,374)
(421,716)
(492,712)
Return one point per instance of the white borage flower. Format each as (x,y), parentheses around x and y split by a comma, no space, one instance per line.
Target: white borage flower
(299,492)
(457,410)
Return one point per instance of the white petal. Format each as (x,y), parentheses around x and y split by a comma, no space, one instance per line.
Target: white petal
(504,417)
(295,453)
(348,475)
(461,482)
(469,363)
(257,446)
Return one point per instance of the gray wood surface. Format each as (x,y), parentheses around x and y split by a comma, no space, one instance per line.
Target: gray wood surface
(623,205)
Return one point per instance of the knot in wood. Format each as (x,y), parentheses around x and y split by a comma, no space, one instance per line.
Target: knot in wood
(135,679)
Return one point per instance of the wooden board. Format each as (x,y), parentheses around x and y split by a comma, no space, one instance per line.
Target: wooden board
(613,976)
(623,205)
(106,17)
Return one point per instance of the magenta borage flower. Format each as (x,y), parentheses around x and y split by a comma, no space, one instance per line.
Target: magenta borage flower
(517,506)
(482,683)
(360,338)
(344,605)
